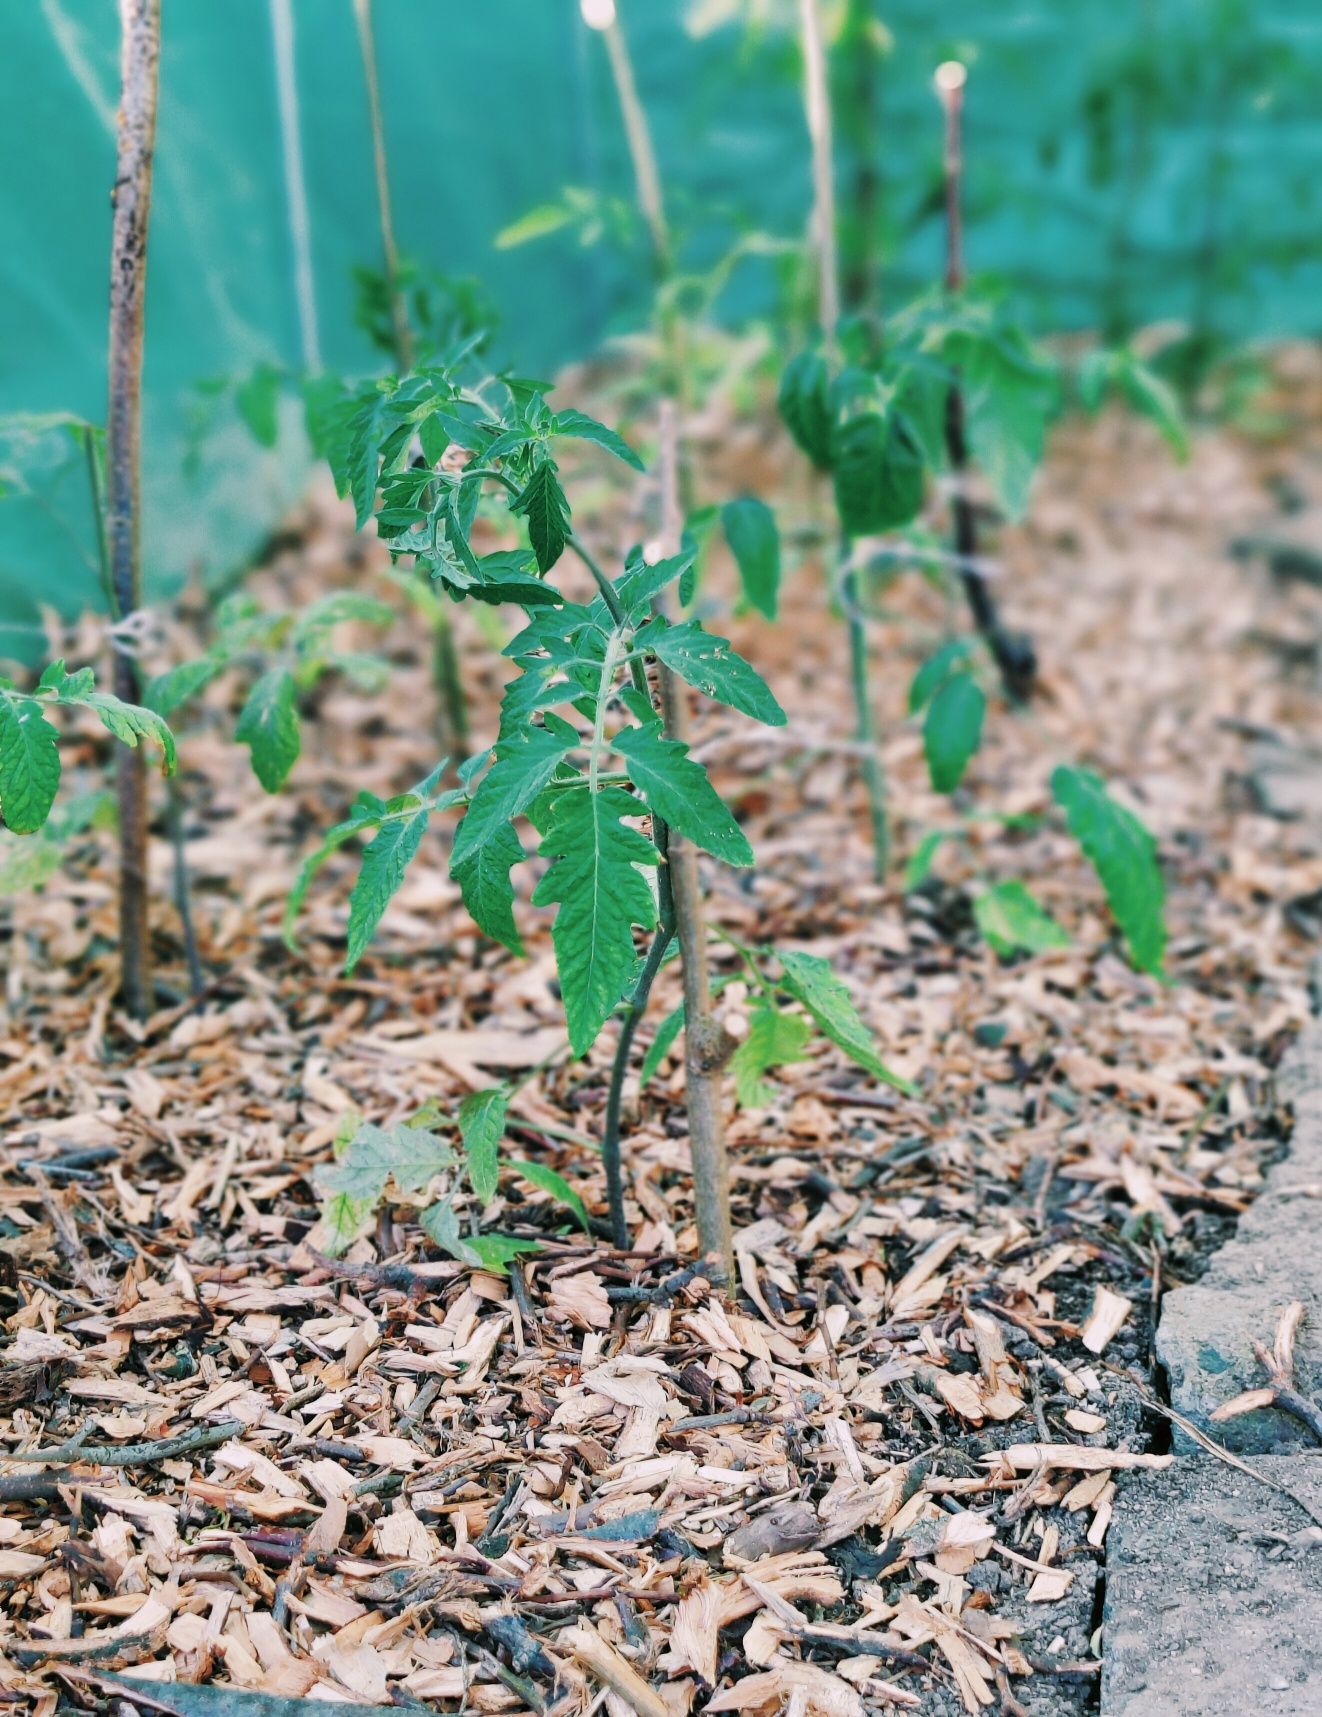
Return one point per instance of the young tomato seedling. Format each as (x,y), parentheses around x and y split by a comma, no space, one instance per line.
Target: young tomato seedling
(583,754)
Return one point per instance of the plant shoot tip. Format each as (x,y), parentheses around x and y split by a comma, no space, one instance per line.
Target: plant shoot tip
(598,14)
(951,75)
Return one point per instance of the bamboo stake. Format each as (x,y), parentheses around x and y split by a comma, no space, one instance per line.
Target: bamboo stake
(296,191)
(362,10)
(707,1044)
(140,22)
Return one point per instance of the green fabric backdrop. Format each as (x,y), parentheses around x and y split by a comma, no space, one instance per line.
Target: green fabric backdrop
(1133,159)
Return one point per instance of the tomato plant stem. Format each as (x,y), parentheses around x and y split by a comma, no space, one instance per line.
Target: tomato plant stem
(874,773)
(140,22)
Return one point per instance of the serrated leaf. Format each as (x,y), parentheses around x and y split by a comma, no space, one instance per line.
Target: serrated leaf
(952,730)
(268,726)
(481,1128)
(129,722)
(804,402)
(1008,396)
(496,1252)
(811,981)
(1124,855)
(525,762)
(750,530)
(710,663)
(484,881)
(879,473)
(543,503)
(601,892)
(558,1187)
(346,1219)
(29,764)
(168,690)
(774,1038)
(385,859)
(679,791)
(1011,921)
(585,428)
(410,1156)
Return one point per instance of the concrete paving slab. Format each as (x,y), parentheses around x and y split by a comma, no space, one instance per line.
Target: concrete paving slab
(1205,1338)
(1207,1614)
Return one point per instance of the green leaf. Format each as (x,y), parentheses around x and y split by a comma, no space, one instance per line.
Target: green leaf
(936,670)
(774,1038)
(525,762)
(410,1156)
(811,981)
(29,764)
(441,1222)
(1012,921)
(585,428)
(268,726)
(346,1219)
(679,791)
(496,1252)
(952,730)
(662,1043)
(543,503)
(538,222)
(1008,397)
(167,691)
(130,723)
(1152,397)
(484,881)
(879,473)
(708,662)
(750,530)
(367,813)
(257,399)
(558,1187)
(1124,855)
(804,402)
(602,893)
(385,859)
(482,1127)
(919,867)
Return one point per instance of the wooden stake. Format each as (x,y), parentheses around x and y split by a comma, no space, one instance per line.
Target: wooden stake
(140,24)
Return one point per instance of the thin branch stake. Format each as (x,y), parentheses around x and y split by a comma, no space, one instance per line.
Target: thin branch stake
(1012,652)
(140,23)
